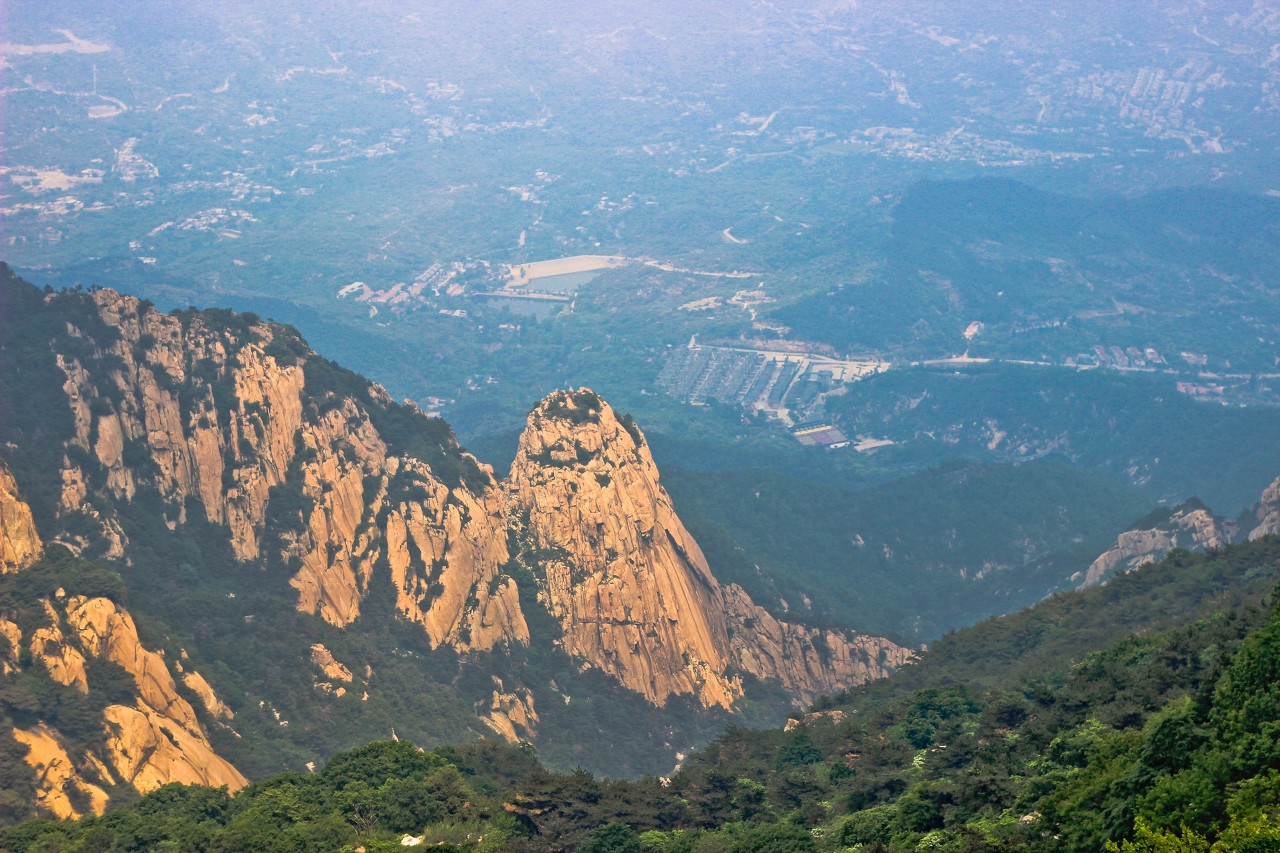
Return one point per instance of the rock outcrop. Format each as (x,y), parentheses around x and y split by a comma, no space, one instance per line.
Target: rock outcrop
(323,658)
(633,592)
(148,749)
(509,713)
(160,739)
(809,662)
(106,631)
(20,544)
(62,658)
(12,635)
(56,775)
(217,709)
(1267,512)
(1190,526)
(224,417)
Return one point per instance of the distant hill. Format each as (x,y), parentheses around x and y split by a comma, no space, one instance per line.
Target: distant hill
(1133,427)
(1048,277)
(915,557)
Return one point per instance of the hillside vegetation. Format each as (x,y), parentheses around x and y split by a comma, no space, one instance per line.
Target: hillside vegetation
(1139,716)
(915,557)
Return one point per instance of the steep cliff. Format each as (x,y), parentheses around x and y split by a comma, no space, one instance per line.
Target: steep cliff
(158,739)
(19,542)
(633,592)
(216,409)
(240,485)
(1189,526)
(57,778)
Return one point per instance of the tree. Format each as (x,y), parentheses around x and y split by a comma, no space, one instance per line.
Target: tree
(613,838)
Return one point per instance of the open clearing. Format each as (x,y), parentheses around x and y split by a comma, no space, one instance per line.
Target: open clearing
(39,180)
(521,274)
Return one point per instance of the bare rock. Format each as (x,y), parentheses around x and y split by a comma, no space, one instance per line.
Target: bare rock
(323,658)
(1189,527)
(20,545)
(631,588)
(1267,512)
(510,713)
(148,749)
(55,774)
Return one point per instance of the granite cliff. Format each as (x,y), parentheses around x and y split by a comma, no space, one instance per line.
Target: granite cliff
(19,542)
(221,429)
(632,590)
(1189,526)
(217,416)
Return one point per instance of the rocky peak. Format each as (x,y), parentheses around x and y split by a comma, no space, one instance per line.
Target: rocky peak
(630,586)
(1190,526)
(628,583)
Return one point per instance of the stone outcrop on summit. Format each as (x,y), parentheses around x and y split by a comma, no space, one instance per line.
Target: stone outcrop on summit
(632,589)
(1189,527)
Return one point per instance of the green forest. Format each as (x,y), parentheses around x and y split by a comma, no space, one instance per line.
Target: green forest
(914,557)
(1139,716)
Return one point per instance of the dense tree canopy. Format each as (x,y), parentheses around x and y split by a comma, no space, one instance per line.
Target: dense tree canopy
(1168,740)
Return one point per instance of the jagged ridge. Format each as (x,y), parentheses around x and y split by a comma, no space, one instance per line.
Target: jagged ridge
(316,473)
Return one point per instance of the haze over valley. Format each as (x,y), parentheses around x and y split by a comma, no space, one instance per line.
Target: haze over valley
(801,409)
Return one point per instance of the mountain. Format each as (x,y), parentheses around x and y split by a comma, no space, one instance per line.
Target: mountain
(1137,716)
(292,563)
(1190,525)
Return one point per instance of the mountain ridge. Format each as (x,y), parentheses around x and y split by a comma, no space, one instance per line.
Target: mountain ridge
(220,428)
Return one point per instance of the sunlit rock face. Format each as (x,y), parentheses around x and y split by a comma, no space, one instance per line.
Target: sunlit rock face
(633,592)
(20,545)
(1187,528)
(225,421)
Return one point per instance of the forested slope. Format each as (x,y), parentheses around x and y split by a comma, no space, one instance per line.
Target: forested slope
(1140,716)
